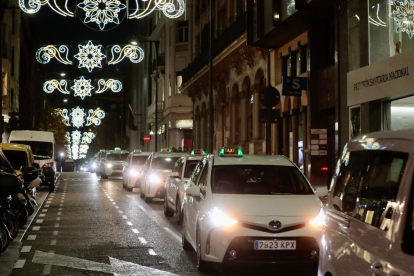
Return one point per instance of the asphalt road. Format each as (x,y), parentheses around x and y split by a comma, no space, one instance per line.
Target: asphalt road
(90,226)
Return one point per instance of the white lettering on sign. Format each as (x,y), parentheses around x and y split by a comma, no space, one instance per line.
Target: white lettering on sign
(403,72)
(296,84)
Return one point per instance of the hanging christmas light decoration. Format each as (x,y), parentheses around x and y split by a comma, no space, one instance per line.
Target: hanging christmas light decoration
(170,8)
(64,114)
(90,55)
(59,85)
(87,137)
(46,53)
(94,117)
(82,87)
(33,6)
(78,117)
(403,15)
(133,52)
(76,136)
(103,85)
(102,12)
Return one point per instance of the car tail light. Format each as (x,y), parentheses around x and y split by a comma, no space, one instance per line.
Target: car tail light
(324,169)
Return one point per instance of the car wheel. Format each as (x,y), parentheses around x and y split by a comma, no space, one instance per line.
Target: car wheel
(167,211)
(12,224)
(178,212)
(186,245)
(21,214)
(202,265)
(4,237)
(52,187)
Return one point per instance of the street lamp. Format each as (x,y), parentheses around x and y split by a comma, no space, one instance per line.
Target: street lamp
(61,161)
(62,74)
(65,100)
(134,43)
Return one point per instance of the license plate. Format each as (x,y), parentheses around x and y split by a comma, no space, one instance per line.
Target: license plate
(274,245)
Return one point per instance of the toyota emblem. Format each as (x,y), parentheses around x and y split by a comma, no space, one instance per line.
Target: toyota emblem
(275,224)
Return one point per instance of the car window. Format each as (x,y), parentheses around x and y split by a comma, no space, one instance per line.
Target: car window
(116,156)
(189,167)
(164,163)
(367,184)
(16,158)
(180,167)
(176,165)
(197,171)
(139,160)
(129,159)
(259,180)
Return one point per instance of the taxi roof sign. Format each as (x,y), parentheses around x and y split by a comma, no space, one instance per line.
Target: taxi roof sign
(229,151)
(117,148)
(197,152)
(137,151)
(165,150)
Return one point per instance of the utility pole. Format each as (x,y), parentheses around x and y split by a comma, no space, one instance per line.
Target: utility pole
(210,95)
(157,45)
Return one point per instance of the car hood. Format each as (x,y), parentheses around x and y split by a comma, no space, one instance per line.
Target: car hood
(268,205)
(161,173)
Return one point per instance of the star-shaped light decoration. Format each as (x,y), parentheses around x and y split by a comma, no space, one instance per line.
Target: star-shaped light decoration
(102,12)
(90,56)
(82,87)
(78,117)
(403,15)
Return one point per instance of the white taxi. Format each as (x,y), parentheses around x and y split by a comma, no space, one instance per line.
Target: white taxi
(155,172)
(370,215)
(251,209)
(132,168)
(112,162)
(176,183)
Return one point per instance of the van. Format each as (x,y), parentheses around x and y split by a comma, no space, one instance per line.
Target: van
(369,214)
(42,144)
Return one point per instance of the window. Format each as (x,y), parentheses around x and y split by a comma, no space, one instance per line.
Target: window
(139,160)
(367,183)
(116,156)
(16,158)
(182,31)
(399,114)
(239,7)
(41,150)
(163,163)
(189,168)
(198,170)
(288,8)
(355,122)
(12,62)
(259,180)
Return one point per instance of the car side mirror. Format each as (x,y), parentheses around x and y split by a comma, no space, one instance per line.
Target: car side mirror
(193,191)
(37,166)
(321,191)
(174,175)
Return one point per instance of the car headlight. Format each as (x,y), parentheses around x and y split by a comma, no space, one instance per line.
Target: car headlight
(109,165)
(319,220)
(94,165)
(219,218)
(133,172)
(154,179)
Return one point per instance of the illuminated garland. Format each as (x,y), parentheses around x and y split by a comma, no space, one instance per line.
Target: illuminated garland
(82,87)
(33,6)
(64,114)
(403,15)
(114,85)
(168,7)
(102,12)
(78,117)
(94,117)
(77,144)
(46,53)
(52,85)
(133,52)
(90,55)
(88,137)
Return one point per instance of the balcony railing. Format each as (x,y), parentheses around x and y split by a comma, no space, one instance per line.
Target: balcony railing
(237,29)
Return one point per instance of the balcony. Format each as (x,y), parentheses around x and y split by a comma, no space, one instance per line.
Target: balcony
(236,30)
(151,109)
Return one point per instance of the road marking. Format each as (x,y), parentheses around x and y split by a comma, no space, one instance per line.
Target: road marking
(60,209)
(58,218)
(119,211)
(26,249)
(55,233)
(116,207)
(142,208)
(31,237)
(62,201)
(39,221)
(44,210)
(136,190)
(152,252)
(111,199)
(53,242)
(57,225)
(42,215)
(61,205)
(48,202)
(135,231)
(113,203)
(176,236)
(36,228)
(47,270)
(19,264)
(47,206)
(116,267)
(59,213)
(124,217)
(129,223)
(142,240)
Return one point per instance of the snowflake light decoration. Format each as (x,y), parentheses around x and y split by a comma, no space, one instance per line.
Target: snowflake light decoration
(102,12)
(82,87)
(78,117)
(403,15)
(90,56)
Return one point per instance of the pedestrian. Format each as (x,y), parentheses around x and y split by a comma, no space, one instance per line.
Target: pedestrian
(180,149)
(173,149)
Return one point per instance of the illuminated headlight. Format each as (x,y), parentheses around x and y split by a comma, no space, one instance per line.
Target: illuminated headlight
(133,172)
(319,220)
(94,165)
(154,179)
(221,219)
(109,165)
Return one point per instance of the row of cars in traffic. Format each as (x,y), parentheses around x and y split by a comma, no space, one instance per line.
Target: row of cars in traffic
(25,164)
(238,209)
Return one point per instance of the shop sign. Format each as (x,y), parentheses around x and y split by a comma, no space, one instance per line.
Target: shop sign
(391,77)
(293,86)
(319,142)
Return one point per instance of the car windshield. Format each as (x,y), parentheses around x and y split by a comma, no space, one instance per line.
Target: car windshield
(259,180)
(139,160)
(163,163)
(189,168)
(116,156)
(41,150)
(16,158)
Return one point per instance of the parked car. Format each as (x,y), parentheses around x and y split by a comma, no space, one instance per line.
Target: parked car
(132,169)
(370,215)
(112,162)
(18,155)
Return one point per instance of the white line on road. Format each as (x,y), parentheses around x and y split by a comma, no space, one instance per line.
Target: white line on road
(58,218)
(142,240)
(48,202)
(36,228)
(135,231)
(129,223)
(44,210)
(60,209)
(152,252)
(124,217)
(55,233)
(59,213)
(116,207)
(57,225)
(142,208)
(19,264)
(177,237)
(39,221)
(42,215)
(113,203)
(26,249)
(53,242)
(47,206)
(61,205)
(119,211)
(31,237)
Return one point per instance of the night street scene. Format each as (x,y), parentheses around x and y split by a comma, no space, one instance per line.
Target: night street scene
(207,137)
